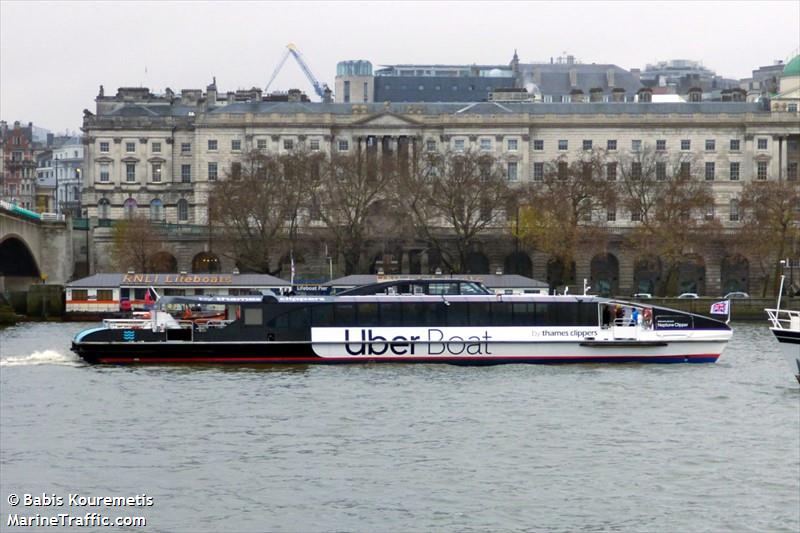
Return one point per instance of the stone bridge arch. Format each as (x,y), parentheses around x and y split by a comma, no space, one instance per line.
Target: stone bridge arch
(18,265)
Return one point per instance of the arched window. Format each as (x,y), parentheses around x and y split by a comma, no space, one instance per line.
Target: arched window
(129,207)
(183,210)
(103,209)
(156,210)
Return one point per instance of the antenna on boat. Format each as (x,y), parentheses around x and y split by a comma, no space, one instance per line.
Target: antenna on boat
(585,287)
(783,278)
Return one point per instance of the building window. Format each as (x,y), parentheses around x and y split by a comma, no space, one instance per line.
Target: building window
(661,170)
(611,145)
(236,170)
(563,170)
(183,210)
(104,147)
(761,170)
(186,173)
(212,145)
(686,169)
(791,108)
(636,215)
(538,144)
(661,145)
(103,208)
(288,144)
(314,145)
(186,148)
(587,145)
(734,211)
(344,145)
(212,172)
(459,145)
(261,144)
(563,144)
(156,172)
(486,144)
(734,146)
(430,145)
(791,171)
(710,212)
(611,214)
(156,210)
(512,171)
(346,91)
(734,172)
(686,144)
(636,145)
(710,167)
(130,172)
(129,208)
(104,173)
(611,171)
(762,143)
(236,145)
(538,171)
(711,145)
(156,148)
(130,147)
(512,145)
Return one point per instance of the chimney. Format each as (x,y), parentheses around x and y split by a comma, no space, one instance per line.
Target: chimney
(573,77)
(211,93)
(618,94)
(50,138)
(610,77)
(636,73)
(537,76)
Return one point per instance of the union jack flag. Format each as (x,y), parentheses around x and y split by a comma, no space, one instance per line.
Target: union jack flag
(720,308)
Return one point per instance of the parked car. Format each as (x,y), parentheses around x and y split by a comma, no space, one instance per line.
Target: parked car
(689,295)
(642,295)
(736,295)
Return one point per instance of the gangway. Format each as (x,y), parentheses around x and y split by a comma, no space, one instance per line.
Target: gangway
(292,50)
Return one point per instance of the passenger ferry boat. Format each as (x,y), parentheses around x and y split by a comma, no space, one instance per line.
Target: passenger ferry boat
(454,321)
(786,328)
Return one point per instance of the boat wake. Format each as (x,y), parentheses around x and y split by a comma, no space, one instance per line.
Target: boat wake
(45,357)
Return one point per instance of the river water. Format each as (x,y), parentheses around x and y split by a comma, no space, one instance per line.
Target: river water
(708,447)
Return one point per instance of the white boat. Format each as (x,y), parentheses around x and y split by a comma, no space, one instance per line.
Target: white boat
(786,328)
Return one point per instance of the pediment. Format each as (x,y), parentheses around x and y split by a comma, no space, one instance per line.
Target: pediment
(387,120)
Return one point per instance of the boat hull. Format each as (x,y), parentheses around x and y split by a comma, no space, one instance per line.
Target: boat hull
(305,353)
(789,342)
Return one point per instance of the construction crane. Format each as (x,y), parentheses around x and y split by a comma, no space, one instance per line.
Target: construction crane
(291,49)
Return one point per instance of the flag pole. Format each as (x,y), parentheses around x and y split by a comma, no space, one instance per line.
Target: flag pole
(730,304)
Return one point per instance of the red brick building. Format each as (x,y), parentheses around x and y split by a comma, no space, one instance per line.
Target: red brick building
(18,171)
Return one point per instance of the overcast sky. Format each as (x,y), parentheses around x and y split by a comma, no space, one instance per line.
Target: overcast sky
(54,55)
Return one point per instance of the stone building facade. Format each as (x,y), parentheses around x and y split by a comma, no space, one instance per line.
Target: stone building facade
(159,155)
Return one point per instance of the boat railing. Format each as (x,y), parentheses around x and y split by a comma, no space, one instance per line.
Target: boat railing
(784,318)
(127,323)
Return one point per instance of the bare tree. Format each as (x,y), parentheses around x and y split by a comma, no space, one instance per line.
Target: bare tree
(671,206)
(257,208)
(567,210)
(453,200)
(351,198)
(135,240)
(770,227)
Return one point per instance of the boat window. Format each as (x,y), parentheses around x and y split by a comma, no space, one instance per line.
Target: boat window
(344,314)
(80,294)
(443,288)
(417,289)
(322,315)
(501,314)
(124,294)
(299,318)
(105,294)
(253,316)
(471,288)
(458,314)
(424,314)
(391,315)
(138,294)
(524,314)
(368,314)
(480,314)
